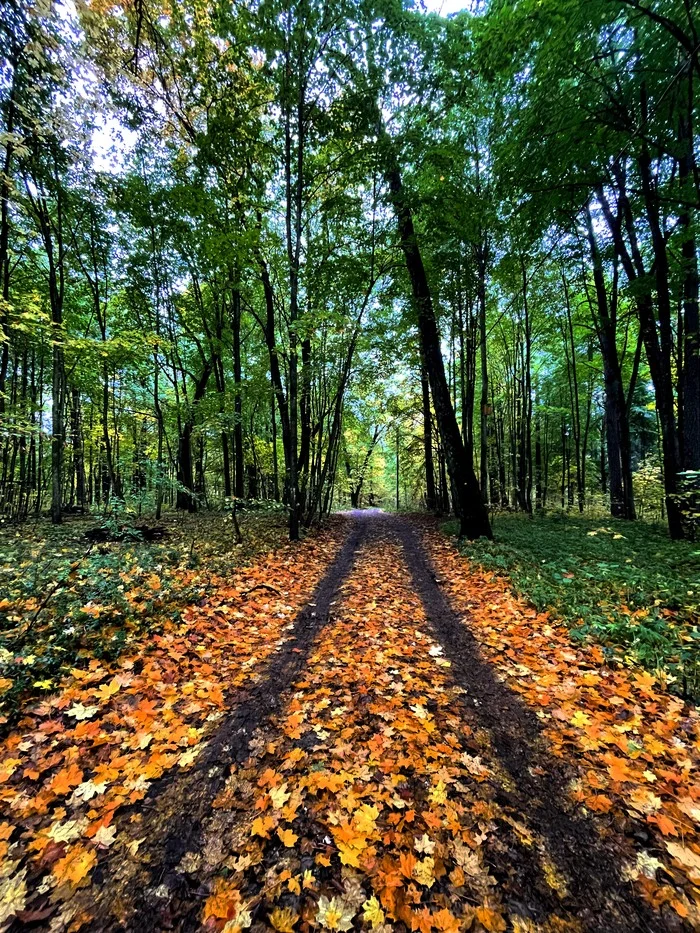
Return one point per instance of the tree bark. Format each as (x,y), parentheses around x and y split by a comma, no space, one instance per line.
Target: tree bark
(430,499)
(656,350)
(483,414)
(78,448)
(691,317)
(617,429)
(238,452)
(186,497)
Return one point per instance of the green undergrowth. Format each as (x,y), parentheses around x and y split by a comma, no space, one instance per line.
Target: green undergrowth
(624,584)
(64,601)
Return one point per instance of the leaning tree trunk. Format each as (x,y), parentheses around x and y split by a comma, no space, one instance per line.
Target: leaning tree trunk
(691,314)
(616,414)
(469,506)
(657,349)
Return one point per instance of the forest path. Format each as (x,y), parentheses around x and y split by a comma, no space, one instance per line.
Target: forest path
(402,761)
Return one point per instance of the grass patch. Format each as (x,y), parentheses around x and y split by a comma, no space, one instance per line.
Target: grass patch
(105,598)
(625,584)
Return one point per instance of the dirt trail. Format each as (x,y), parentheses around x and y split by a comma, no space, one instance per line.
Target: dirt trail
(597,893)
(381,773)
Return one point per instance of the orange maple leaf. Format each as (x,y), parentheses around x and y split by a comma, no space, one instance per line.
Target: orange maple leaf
(667,826)
(66,779)
(421,920)
(287,837)
(599,802)
(446,921)
(262,826)
(490,919)
(407,863)
(225,901)
(618,769)
(74,866)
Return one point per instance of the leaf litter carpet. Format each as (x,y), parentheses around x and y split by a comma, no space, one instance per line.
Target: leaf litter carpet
(379,738)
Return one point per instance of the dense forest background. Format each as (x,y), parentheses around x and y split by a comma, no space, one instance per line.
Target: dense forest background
(225,226)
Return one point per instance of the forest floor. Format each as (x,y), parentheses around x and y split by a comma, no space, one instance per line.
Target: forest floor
(65,599)
(626,584)
(361,731)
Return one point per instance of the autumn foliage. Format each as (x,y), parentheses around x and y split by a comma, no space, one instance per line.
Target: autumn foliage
(634,744)
(377,793)
(77,759)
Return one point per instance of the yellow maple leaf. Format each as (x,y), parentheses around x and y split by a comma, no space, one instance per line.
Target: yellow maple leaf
(350,843)
(279,795)
(438,794)
(108,690)
(13,894)
(364,819)
(580,718)
(334,914)
(350,854)
(283,919)
(424,872)
(43,684)
(80,712)
(372,912)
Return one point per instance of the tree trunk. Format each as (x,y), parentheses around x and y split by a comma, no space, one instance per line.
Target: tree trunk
(186,499)
(659,361)
(78,448)
(238,458)
(483,414)
(616,415)
(469,505)
(691,317)
(160,478)
(5,192)
(225,442)
(275,466)
(430,500)
(57,434)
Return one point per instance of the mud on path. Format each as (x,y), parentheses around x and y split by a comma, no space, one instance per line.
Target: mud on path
(381,772)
